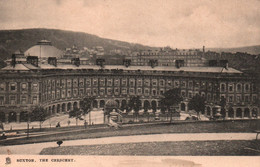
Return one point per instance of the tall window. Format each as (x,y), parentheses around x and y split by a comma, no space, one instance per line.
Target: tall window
(161,82)
(75,92)
(190,84)
(230,88)
(238,99)
(34,86)
(58,94)
(154,82)
(63,94)
(246,98)
(69,83)
(109,91)
(124,82)
(139,82)
(239,87)
(13,86)
(176,84)
(34,100)
(147,82)
(12,100)
(146,92)
(58,83)
(95,82)
(88,82)
(23,100)
(116,91)
(81,82)
(230,99)
(2,100)
(24,87)
(223,87)
(183,84)
(2,87)
(246,87)
(101,91)
(154,92)
(132,82)
(109,82)
(68,93)
(116,82)
(124,91)
(75,82)
(131,91)
(102,82)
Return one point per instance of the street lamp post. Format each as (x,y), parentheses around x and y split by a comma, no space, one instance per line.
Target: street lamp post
(28,126)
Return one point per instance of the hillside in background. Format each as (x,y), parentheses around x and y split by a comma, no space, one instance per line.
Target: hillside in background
(12,40)
(254,50)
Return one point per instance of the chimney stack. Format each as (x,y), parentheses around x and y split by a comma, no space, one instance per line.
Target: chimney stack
(100,62)
(52,61)
(75,61)
(126,62)
(13,62)
(32,60)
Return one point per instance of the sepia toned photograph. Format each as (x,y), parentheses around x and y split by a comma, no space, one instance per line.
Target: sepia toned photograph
(129,83)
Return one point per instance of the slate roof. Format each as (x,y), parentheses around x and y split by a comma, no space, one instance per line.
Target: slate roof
(130,68)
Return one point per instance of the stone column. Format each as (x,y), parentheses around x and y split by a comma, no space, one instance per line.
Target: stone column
(243,112)
(98,103)
(250,113)
(18,117)
(119,104)
(226,114)
(235,112)
(6,117)
(29,118)
(65,108)
(186,107)
(211,112)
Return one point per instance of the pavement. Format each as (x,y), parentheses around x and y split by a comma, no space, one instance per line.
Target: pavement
(63,118)
(35,149)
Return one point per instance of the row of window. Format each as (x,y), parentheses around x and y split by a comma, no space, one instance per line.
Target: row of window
(102,91)
(13,86)
(13,100)
(239,87)
(239,98)
(128,82)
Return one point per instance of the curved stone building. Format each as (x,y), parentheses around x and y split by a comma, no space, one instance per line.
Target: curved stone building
(60,87)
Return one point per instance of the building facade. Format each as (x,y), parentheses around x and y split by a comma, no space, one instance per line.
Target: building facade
(59,87)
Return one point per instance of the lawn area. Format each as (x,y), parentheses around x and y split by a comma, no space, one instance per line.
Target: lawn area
(127,130)
(191,148)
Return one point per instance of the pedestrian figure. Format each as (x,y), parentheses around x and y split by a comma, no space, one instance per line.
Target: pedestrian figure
(3,136)
(68,122)
(58,125)
(85,124)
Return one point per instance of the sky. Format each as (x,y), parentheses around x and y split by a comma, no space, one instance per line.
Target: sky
(175,23)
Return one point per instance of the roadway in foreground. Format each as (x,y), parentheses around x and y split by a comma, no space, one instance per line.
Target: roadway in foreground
(35,149)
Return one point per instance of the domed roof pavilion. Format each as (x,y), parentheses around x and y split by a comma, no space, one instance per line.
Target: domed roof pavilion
(44,49)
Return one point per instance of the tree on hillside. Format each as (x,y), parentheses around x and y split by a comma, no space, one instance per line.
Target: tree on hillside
(171,98)
(39,114)
(197,103)
(86,105)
